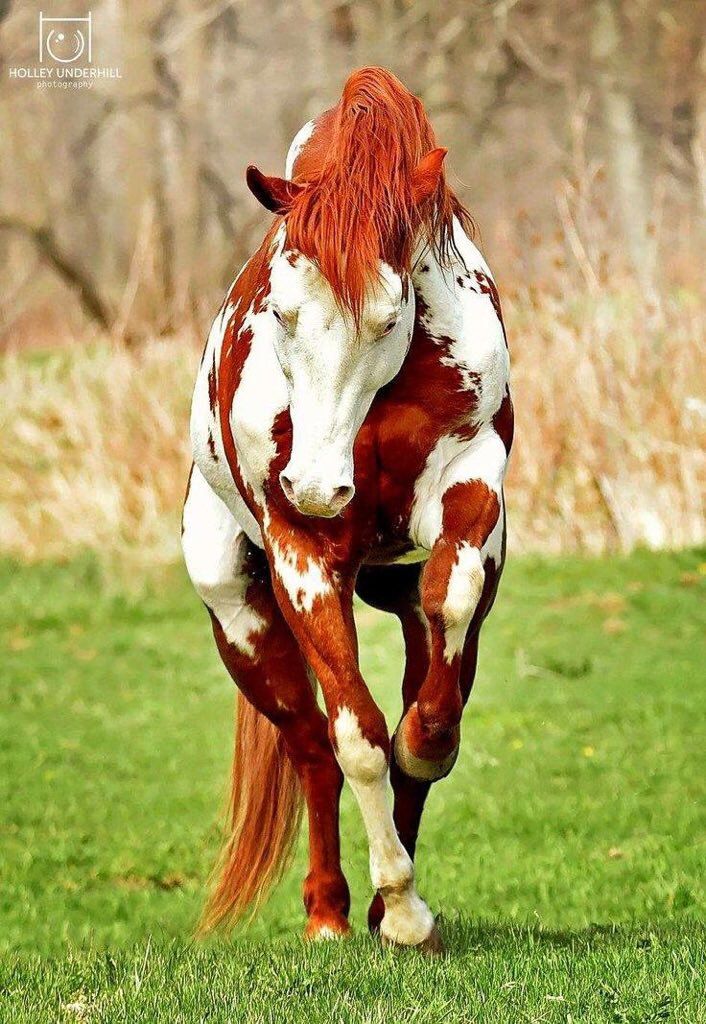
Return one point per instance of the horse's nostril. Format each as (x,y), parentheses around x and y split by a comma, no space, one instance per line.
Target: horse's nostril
(287,487)
(342,495)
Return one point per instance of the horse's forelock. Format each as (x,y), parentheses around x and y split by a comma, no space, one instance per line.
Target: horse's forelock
(358,207)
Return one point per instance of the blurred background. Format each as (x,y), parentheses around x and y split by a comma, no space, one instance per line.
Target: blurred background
(577,138)
(570,834)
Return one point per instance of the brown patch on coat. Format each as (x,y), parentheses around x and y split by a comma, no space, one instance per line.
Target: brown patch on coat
(212,386)
(504,421)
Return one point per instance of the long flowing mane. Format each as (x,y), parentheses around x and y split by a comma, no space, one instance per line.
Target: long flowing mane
(358,206)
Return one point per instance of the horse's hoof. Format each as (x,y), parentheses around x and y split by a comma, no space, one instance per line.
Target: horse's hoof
(321,929)
(433,945)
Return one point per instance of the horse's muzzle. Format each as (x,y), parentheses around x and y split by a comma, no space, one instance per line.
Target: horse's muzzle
(314,498)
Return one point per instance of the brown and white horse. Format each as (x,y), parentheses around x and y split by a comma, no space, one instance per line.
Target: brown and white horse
(351,425)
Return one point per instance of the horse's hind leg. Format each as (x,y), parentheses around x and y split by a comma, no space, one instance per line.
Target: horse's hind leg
(257,647)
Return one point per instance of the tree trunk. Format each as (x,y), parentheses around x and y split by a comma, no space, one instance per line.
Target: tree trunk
(626,164)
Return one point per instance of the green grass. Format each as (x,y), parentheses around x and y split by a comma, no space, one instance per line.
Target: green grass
(565,852)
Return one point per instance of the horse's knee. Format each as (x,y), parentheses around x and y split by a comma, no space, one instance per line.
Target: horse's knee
(439,720)
(361,747)
(452,602)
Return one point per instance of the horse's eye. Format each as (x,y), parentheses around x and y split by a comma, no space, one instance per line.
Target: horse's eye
(277,315)
(388,327)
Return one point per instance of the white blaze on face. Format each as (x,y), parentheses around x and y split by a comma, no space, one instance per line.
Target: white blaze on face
(332,373)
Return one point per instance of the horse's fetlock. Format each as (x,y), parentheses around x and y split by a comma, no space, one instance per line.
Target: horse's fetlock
(394,873)
(326,890)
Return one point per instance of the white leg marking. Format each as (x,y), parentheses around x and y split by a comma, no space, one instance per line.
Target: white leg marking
(326,933)
(407,919)
(214,548)
(462,596)
(303,586)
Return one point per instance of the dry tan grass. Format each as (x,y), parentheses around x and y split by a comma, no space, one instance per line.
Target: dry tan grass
(611,423)
(95,451)
(609,452)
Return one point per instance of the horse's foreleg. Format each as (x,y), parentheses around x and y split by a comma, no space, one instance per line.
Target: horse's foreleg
(395,589)
(317,605)
(457,587)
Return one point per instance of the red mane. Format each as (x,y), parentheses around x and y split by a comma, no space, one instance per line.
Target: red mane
(358,207)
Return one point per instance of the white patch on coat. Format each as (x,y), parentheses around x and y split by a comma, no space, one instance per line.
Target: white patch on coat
(298,142)
(407,918)
(358,757)
(463,593)
(206,423)
(454,460)
(303,586)
(464,320)
(259,398)
(214,548)
(204,420)
(255,406)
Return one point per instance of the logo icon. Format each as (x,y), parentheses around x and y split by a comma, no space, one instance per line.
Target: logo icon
(64,40)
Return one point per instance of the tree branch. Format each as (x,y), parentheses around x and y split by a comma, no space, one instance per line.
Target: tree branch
(45,241)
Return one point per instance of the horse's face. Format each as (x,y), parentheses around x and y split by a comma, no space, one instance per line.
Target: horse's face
(333,371)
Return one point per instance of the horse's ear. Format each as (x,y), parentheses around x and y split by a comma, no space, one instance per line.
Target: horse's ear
(427,173)
(275,194)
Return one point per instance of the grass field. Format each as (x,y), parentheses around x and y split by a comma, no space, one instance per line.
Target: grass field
(566,852)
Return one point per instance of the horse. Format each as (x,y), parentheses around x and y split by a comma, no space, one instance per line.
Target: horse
(350,426)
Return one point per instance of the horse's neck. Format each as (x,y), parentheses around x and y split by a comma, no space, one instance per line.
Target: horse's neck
(434,282)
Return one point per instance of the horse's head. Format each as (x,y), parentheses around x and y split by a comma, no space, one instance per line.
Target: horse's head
(333,370)
(335,350)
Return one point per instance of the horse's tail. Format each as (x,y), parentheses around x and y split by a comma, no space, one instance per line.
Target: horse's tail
(264,813)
